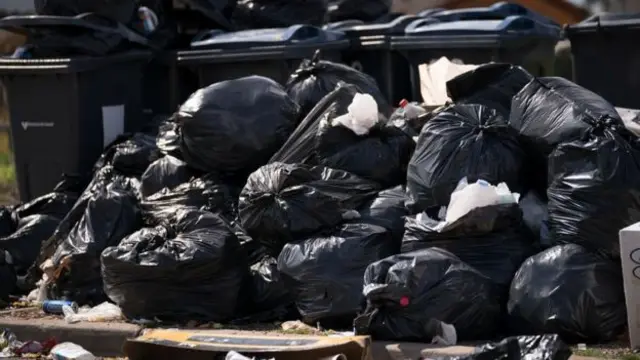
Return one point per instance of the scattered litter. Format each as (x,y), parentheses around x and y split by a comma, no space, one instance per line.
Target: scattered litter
(70,351)
(101,313)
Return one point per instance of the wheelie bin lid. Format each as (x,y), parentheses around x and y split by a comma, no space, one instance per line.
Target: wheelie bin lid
(372,35)
(496,11)
(606,21)
(473,33)
(298,41)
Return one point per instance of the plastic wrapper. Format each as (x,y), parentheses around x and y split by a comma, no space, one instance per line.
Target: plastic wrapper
(492,85)
(409,295)
(365,10)
(233,127)
(470,141)
(341,133)
(551,111)
(190,269)
(282,202)
(167,172)
(325,271)
(261,14)
(314,79)
(109,216)
(593,192)
(540,347)
(569,291)
(205,193)
(24,244)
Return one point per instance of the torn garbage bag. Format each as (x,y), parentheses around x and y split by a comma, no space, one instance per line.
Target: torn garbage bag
(365,10)
(167,172)
(569,291)
(24,244)
(344,131)
(130,154)
(540,347)
(109,216)
(550,111)
(314,79)
(282,202)
(490,238)
(233,127)
(190,269)
(593,192)
(205,193)
(325,271)
(410,295)
(470,141)
(492,85)
(261,14)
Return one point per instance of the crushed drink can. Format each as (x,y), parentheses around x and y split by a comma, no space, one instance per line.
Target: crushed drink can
(55,306)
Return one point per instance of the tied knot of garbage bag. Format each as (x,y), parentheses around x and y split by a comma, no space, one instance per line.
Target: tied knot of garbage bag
(190,268)
(233,127)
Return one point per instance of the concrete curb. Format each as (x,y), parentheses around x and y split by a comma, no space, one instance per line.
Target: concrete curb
(102,339)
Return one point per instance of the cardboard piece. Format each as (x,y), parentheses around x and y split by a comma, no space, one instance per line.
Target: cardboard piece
(212,344)
(630,256)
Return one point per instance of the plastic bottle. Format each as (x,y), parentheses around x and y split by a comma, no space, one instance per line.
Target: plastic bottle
(411,109)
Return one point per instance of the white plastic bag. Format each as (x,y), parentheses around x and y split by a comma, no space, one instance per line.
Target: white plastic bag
(103,312)
(467,197)
(362,114)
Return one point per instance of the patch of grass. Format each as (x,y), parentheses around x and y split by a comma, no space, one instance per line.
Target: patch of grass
(607,352)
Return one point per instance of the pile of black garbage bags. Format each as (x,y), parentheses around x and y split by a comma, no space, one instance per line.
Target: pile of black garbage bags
(258,202)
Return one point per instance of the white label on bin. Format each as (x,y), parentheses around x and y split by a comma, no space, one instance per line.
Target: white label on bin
(28,124)
(112,123)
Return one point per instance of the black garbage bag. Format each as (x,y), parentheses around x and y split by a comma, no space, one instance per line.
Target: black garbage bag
(409,294)
(550,111)
(325,271)
(72,184)
(379,155)
(233,127)
(535,215)
(261,14)
(365,10)
(55,204)
(386,210)
(492,239)
(492,85)
(314,79)
(109,216)
(122,11)
(470,141)
(205,193)
(24,244)
(282,202)
(539,347)
(569,291)
(8,277)
(593,192)
(167,172)
(130,154)
(191,269)
(7,224)
(265,295)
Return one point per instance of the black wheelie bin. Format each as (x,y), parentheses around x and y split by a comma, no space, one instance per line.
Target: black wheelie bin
(605,57)
(64,110)
(275,53)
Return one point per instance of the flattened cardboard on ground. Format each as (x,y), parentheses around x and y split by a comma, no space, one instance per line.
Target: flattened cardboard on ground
(208,344)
